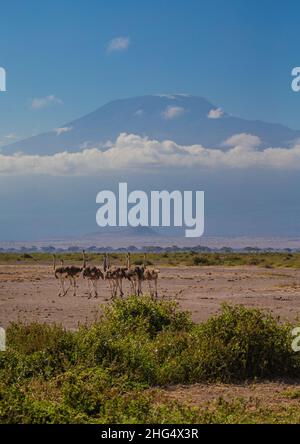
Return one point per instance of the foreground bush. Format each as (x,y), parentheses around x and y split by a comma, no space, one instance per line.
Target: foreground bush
(243,343)
(107,372)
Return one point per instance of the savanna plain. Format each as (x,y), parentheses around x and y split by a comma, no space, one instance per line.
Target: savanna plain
(215,346)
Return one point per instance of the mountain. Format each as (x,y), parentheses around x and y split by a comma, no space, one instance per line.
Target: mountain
(182,118)
(117,232)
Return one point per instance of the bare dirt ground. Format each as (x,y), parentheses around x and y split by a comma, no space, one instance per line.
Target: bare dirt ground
(273,394)
(30,293)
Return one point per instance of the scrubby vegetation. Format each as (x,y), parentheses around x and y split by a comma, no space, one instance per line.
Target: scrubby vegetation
(169,259)
(114,370)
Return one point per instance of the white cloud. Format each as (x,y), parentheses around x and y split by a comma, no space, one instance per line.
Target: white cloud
(88,144)
(133,152)
(42,102)
(243,140)
(139,112)
(63,130)
(167,96)
(172,112)
(173,96)
(11,136)
(216,113)
(8,138)
(118,44)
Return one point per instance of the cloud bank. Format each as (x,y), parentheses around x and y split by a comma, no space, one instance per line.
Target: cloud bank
(133,152)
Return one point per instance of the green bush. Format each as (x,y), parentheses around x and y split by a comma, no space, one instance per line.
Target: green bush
(103,373)
(240,344)
(152,316)
(36,337)
(199,260)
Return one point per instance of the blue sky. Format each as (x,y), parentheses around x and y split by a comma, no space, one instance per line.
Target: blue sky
(237,54)
(66,58)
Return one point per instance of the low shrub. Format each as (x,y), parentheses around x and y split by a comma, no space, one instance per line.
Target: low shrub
(152,316)
(103,373)
(243,343)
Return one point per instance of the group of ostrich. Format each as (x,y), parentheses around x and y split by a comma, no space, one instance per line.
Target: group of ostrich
(135,274)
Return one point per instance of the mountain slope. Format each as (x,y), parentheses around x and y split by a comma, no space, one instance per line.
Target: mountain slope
(181,118)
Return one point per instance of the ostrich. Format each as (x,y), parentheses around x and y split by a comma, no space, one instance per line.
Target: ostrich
(73,272)
(135,275)
(61,275)
(92,274)
(150,275)
(113,275)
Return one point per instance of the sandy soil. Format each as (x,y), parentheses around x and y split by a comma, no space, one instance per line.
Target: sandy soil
(30,293)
